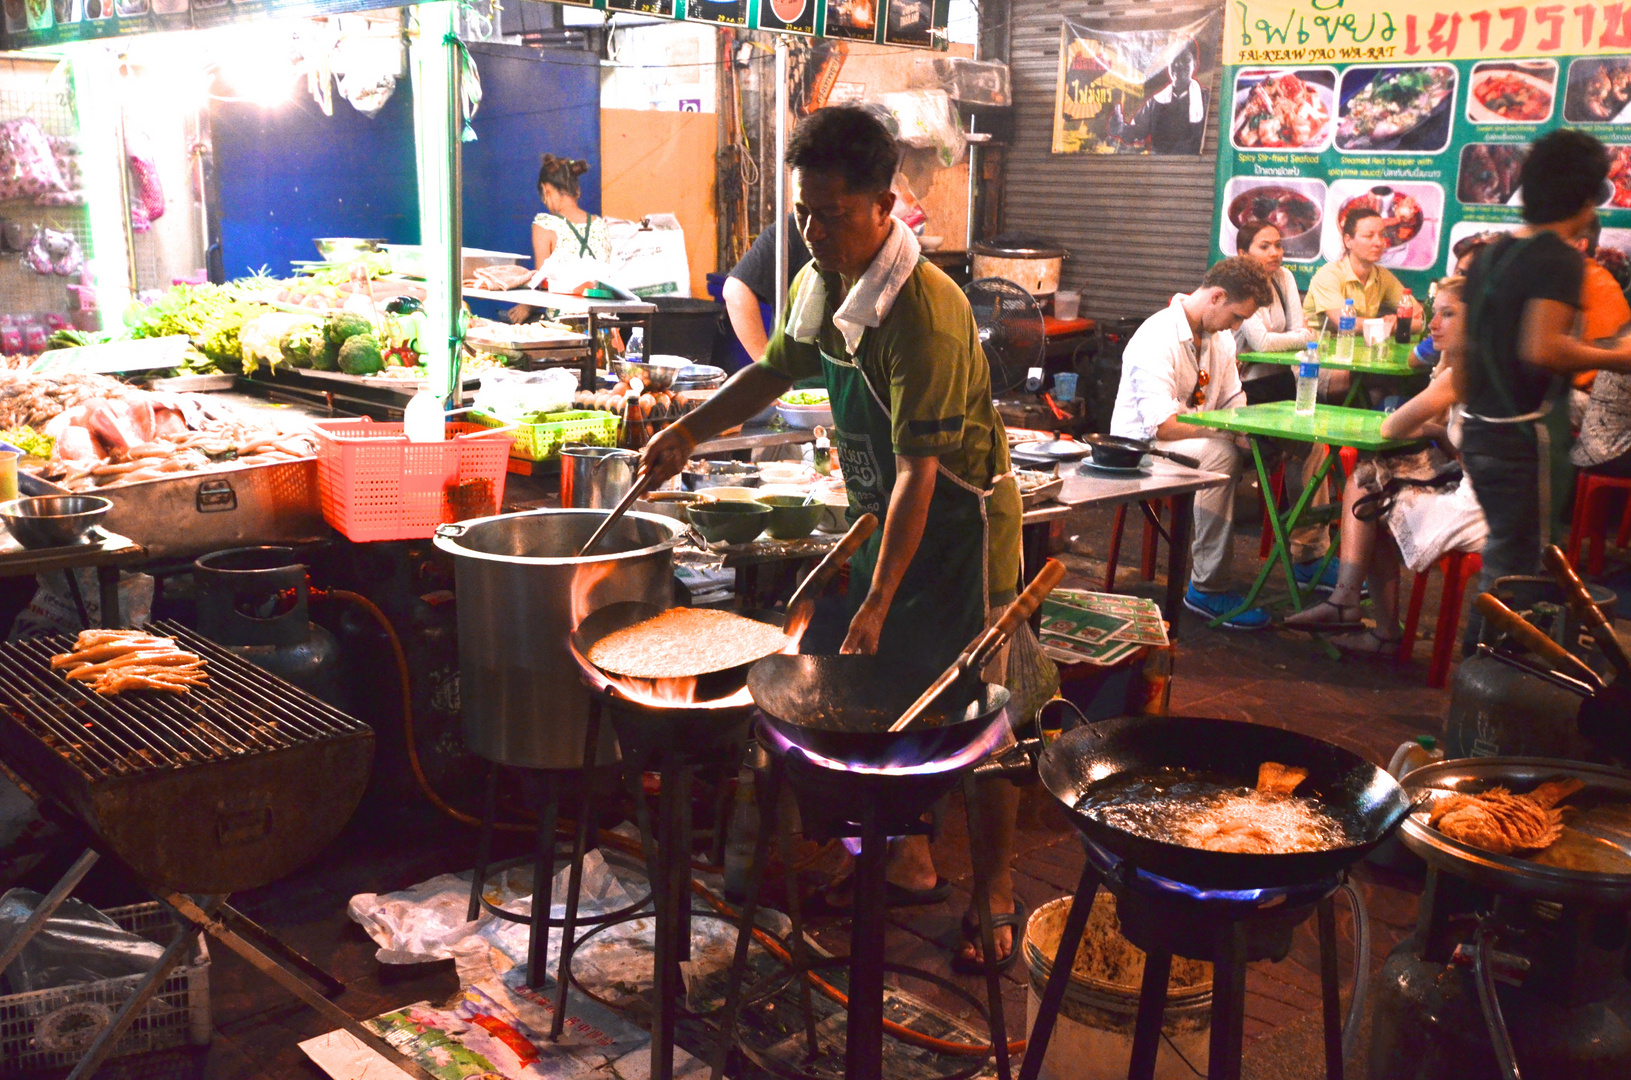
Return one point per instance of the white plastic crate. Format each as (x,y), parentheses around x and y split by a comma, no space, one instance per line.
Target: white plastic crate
(47,1029)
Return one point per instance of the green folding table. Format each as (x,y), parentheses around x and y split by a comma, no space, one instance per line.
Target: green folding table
(1330,425)
(1393,361)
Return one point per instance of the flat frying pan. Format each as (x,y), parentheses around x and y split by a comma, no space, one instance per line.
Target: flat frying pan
(841,707)
(1361,794)
(1119,452)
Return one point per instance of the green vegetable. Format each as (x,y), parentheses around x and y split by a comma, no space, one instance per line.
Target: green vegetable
(326,358)
(29,441)
(301,344)
(71,339)
(345,326)
(805,397)
(360,355)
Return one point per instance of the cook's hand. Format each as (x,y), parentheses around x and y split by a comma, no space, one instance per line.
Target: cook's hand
(668,451)
(866,628)
(518,314)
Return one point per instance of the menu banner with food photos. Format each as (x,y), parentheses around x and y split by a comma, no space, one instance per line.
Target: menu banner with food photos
(1134,91)
(1422,111)
(915,24)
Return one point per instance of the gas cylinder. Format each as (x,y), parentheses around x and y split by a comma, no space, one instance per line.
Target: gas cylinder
(253,601)
(1496,710)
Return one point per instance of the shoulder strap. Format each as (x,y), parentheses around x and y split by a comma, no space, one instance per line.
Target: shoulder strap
(1496,375)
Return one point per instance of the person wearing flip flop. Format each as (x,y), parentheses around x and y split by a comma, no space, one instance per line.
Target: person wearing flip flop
(1419,524)
(1182,360)
(919,441)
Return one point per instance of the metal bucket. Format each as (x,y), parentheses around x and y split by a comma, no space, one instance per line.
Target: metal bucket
(596,477)
(522,590)
(1093,1037)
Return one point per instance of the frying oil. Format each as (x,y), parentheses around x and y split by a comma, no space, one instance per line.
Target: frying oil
(1178,806)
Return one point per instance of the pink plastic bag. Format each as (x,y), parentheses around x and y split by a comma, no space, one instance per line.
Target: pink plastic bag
(27,167)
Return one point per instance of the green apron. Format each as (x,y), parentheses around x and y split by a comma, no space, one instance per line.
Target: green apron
(941,604)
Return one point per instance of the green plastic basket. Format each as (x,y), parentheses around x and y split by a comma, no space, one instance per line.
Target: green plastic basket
(543,442)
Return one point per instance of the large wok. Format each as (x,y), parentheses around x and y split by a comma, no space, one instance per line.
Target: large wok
(841,707)
(1360,793)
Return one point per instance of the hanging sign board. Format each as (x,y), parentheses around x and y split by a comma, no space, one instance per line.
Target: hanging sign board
(1422,111)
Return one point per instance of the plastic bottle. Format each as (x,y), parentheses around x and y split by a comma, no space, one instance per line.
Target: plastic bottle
(423,420)
(1405,319)
(740,837)
(1346,325)
(1412,755)
(1308,378)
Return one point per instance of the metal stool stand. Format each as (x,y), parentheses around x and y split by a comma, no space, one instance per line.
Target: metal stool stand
(667,850)
(1229,955)
(863,1052)
(547,805)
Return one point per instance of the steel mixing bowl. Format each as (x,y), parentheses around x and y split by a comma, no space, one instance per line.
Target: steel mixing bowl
(47,521)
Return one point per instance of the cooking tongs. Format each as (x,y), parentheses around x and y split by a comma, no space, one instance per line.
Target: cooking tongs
(1587,611)
(642,480)
(984,647)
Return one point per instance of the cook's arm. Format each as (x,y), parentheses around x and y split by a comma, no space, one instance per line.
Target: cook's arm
(1545,339)
(742,306)
(902,533)
(748,391)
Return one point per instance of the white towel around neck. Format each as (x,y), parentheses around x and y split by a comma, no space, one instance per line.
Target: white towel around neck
(867,303)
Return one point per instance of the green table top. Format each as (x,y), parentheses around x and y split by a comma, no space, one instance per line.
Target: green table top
(1395,359)
(1335,425)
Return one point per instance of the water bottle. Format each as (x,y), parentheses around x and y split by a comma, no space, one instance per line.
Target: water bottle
(636,348)
(1404,319)
(1346,325)
(1308,378)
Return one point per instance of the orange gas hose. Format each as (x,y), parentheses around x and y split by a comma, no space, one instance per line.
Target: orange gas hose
(622,843)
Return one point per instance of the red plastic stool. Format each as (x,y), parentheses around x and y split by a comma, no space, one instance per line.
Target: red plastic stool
(1589,520)
(1147,554)
(1458,567)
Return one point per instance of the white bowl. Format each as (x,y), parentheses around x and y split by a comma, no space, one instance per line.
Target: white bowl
(783,472)
(834,514)
(805,416)
(730,494)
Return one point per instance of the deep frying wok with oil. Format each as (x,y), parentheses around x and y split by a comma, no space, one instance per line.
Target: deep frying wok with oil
(1363,796)
(841,707)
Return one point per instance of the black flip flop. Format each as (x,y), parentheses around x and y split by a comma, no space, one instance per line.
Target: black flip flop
(894,896)
(971,935)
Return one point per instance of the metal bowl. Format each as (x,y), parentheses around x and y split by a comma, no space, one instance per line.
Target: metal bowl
(47,521)
(339,249)
(656,374)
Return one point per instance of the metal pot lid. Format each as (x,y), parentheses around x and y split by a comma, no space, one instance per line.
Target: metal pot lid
(1603,813)
(1003,251)
(1055,449)
(456,539)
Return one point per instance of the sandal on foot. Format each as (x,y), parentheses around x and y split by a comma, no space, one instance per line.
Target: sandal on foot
(894,896)
(1324,617)
(1014,920)
(1366,643)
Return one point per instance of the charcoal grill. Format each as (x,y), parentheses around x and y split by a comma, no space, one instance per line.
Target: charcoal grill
(226,787)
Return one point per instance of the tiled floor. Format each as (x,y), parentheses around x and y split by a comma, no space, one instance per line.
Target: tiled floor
(1369,706)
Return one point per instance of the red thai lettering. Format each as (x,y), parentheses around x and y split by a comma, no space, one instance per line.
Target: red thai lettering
(1411,45)
(1551,16)
(1482,19)
(1437,39)
(1588,15)
(1616,31)
(1519,18)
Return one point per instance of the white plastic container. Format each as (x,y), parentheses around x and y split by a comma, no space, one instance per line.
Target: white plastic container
(1412,755)
(1066,304)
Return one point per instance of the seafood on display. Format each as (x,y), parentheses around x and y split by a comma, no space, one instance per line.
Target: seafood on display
(1490,172)
(1513,96)
(113,661)
(1292,212)
(108,433)
(1282,112)
(1619,175)
(1394,103)
(1402,215)
(1500,822)
(1602,94)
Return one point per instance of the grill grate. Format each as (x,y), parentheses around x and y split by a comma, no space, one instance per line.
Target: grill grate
(242,710)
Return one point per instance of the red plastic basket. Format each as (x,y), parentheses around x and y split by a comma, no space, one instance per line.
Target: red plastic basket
(376,485)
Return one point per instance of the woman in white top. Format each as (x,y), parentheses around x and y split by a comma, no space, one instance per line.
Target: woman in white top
(1279,327)
(566,226)
(1420,524)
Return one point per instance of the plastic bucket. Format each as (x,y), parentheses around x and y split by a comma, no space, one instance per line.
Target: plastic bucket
(1093,1037)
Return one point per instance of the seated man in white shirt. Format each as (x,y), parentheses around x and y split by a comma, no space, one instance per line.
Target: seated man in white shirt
(1182,360)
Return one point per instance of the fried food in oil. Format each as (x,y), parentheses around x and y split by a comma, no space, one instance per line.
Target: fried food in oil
(1243,827)
(1500,822)
(1274,778)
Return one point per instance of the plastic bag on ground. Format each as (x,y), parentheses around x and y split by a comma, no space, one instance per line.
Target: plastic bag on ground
(78,944)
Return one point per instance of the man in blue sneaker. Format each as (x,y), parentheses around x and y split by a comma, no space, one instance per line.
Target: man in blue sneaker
(1182,360)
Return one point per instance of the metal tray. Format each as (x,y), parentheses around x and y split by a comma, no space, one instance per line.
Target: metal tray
(194,513)
(1045,493)
(1504,873)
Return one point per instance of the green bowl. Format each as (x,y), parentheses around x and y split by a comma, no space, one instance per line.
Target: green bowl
(792,517)
(729,522)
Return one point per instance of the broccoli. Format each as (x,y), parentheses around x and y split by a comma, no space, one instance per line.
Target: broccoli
(360,355)
(346,325)
(301,345)
(325,357)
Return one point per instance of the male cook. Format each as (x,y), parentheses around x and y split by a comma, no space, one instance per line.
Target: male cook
(918,437)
